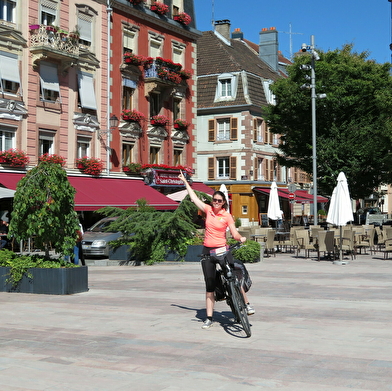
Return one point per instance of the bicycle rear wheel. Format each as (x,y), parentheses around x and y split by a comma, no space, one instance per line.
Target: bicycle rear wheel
(239,307)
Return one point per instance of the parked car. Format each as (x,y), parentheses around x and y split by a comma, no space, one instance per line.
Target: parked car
(96,239)
(360,217)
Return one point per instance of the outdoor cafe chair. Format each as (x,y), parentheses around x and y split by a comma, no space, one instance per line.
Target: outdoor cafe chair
(348,243)
(387,248)
(303,242)
(325,244)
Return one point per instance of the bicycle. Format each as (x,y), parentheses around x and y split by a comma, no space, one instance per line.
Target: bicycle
(228,282)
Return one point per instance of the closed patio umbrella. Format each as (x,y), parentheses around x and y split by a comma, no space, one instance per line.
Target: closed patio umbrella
(340,211)
(223,189)
(274,212)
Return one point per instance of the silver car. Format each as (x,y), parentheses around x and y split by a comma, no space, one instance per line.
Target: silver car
(96,239)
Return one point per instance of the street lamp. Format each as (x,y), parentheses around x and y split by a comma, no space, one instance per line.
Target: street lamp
(315,57)
(113,123)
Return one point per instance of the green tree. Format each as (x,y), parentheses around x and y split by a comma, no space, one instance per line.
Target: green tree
(44,208)
(354,122)
(150,233)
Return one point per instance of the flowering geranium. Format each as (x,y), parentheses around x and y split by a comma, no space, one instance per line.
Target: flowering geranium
(185,74)
(136,59)
(163,62)
(14,157)
(167,167)
(181,124)
(159,120)
(159,8)
(132,167)
(57,159)
(132,115)
(183,18)
(90,165)
(174,77)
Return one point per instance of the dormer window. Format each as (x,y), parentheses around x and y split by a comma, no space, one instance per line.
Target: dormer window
(269,96)
(226,88)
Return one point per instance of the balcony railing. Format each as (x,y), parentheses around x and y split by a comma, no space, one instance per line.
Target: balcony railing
(64,44)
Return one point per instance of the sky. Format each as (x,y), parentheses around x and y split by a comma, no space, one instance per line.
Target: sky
(333,23)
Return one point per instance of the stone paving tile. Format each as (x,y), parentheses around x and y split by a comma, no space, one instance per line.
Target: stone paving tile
(318,326)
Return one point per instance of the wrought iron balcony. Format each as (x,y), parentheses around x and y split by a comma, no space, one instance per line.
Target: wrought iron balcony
(46,42)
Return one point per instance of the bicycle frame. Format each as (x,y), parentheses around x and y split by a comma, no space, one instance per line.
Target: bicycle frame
(233,292)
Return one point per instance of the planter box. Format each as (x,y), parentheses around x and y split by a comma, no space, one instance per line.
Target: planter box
(63,281)
(193,253)
(122,253)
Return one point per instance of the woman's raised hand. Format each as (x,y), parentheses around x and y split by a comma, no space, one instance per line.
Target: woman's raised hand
(182,177)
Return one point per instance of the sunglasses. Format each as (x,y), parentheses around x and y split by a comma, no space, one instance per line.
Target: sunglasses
(217,200)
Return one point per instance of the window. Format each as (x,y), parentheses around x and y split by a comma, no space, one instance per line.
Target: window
(50,88)
(46,139)
(155,104)
(129,87)
(83,147)
(155,47)
(257,130)
(226,129)
(129,41)
(178,6)
(177,157)
(223,167)
(9,73)
(226,168)
(7,137)
(86,91)
(223,129)
(227,87)
(85,23)
(269,96)
(48,12)
(127,153)
(7,10)
(154,155)
(178,52)
(244,209)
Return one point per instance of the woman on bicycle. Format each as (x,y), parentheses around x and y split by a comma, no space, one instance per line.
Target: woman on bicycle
(217,221)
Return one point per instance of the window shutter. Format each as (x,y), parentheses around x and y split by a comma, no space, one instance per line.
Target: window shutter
(271,137)
(272,166)
(211,130)
(255,135)
(266,138)
(211,168)
(266,163)
(233,167)
(233,129)
(255,168)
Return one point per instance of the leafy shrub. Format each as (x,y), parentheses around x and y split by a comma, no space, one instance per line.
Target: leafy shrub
(20,264)
(249,252)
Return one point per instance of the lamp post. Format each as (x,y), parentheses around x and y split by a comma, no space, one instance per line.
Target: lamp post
(315,57)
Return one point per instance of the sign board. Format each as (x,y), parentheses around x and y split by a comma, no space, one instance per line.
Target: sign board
(291,196)
(292,187)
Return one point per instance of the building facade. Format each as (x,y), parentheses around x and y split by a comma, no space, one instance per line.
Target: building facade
(65,80)
(235,146)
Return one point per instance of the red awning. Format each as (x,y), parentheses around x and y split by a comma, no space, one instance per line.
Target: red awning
(200,186)
(301,196)
(95,193)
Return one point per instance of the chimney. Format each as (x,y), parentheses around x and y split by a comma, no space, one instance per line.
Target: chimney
(223,28)
(268,47)
(237,34)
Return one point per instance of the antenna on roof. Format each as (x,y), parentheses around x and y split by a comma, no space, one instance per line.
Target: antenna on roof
(291,40)
(212,14)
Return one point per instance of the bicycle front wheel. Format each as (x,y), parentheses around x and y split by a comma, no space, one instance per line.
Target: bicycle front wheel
(239,307)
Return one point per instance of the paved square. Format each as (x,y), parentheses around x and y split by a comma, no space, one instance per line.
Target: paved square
(318,326)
